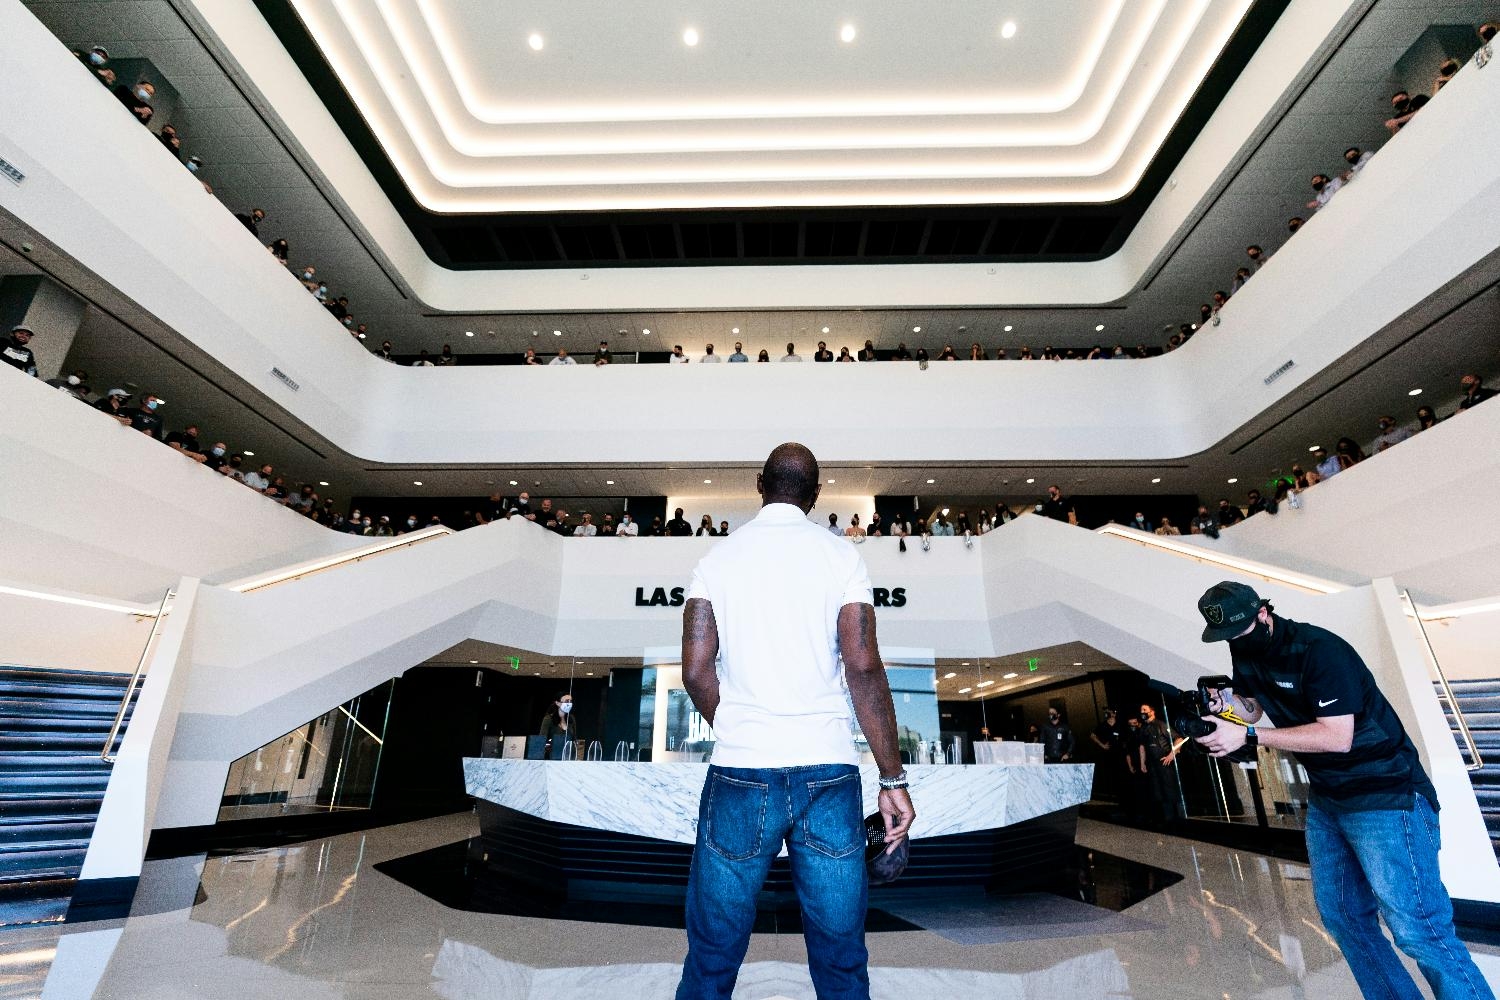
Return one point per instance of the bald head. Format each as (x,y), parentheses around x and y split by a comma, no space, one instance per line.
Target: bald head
(790,476)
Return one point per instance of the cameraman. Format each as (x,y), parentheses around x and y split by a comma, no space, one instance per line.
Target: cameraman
(1372,827)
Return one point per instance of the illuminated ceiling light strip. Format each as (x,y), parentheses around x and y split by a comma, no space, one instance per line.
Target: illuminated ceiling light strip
(319,565)
(82,602)
(844,170)
(1273,573)
(902,196)
(1443,612)
(463,80)
(424,70)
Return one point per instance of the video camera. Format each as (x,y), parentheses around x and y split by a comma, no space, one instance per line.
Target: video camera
(1188,708)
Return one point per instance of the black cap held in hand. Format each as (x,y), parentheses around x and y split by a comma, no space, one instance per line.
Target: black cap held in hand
(1228,608)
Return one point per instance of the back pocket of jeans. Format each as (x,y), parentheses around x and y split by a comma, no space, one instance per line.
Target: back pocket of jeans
(832,824)
(736,817)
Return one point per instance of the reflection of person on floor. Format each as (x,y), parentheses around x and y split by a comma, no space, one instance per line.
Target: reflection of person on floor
(1372,826)
(1157,755)
(783,599)
(1057,738)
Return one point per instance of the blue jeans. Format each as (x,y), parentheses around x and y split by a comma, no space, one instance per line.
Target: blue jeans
(1385,863)
(743,817)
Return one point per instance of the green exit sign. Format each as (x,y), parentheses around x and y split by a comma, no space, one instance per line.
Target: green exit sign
(1033,662)
(515,663)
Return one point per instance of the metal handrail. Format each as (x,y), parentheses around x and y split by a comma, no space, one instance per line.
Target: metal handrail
(140,664)
(1458,712)
(300,570)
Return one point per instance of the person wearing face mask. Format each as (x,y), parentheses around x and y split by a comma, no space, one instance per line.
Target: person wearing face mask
(1156,755)
(186,441)
(557,725)
(627,527)
(146,418)
(1390,433)
(1139,523)
(137,99)
(1057,738)
(1324,188)
(409,525)
(1372,825)
(15,351)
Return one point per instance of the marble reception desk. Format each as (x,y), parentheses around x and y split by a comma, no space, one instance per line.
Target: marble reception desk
(660,801)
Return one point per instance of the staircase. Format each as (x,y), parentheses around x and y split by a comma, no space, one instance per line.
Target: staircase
(1480,703)
(53,724)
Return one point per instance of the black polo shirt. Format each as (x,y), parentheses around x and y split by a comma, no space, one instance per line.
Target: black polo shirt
(1309,673)
(143,420)
(1058,509)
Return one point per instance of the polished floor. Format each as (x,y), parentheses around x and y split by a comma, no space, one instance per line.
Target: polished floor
(316,921)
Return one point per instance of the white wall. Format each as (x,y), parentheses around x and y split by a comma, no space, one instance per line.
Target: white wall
(153,234)
(1415,512)
(91,506)
(36,631)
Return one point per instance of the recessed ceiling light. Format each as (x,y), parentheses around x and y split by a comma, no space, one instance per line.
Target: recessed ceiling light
(1099,328)
(589,674)
(536,673)
(468,333)
(360,336)
(735,330)
(846,33)
(931,481)
(609,482)
(949,675)
(1232,480)
(1008,29)
(690,36)
(248,453)
(536,42)
(706,482)
(557,333)
(416,482)
(321,483)
(1010,677)
(916,329)
(832,481)
(1030,480)
(984,684)
(1415,392)
(646,332)
(514,483)
(964,690)
(1077,664)
(966,663)
(825,329)
(473,661)
(1009,328)
(1156,480)
(1311,447)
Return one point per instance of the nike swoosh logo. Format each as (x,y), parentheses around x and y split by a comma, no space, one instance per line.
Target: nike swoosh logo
(1325,704)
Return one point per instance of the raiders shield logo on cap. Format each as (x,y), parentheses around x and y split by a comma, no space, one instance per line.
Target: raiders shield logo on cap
(1215,614)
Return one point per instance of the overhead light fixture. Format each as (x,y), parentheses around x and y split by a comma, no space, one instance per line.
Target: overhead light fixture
(474,661)
(1200,554)
(1313,447)
(1008,29)
(536,42)
(645,332)
(984,684)
(846,33)
(931,481)
(557,333)
(1099,328)
(945,511)
(735,330)
(1077,664)
(1232,480)
(248,453)
(966,663)
(707,482)
(690,37)
(468,333)
(322,483)
(416,482)
(1156,480)
(589,673)
(1009,677)
(832,481)
(825,329)
(609,482)
(949,675)
(1009,328)
(1030,481)
(964,690)
(916,329)
(1415,392)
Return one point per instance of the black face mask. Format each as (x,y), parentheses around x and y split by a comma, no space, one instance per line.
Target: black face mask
(1254,644)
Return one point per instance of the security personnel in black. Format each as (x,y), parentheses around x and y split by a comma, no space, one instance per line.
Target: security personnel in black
(14,352)
(1372,830)
(1057,738)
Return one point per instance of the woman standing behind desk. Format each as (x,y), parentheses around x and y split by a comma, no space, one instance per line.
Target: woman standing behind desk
(557,726)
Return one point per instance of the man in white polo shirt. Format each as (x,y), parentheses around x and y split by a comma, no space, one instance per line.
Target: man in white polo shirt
(782,600)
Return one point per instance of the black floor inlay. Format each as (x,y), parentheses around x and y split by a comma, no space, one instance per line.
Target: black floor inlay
(450,876)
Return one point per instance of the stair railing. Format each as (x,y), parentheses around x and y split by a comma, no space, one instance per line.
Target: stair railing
(1475,760)
(114,731)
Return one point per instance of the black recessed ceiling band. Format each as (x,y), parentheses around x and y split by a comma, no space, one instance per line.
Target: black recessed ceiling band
(771,236)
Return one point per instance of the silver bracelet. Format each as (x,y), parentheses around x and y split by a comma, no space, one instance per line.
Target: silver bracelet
(891,784)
